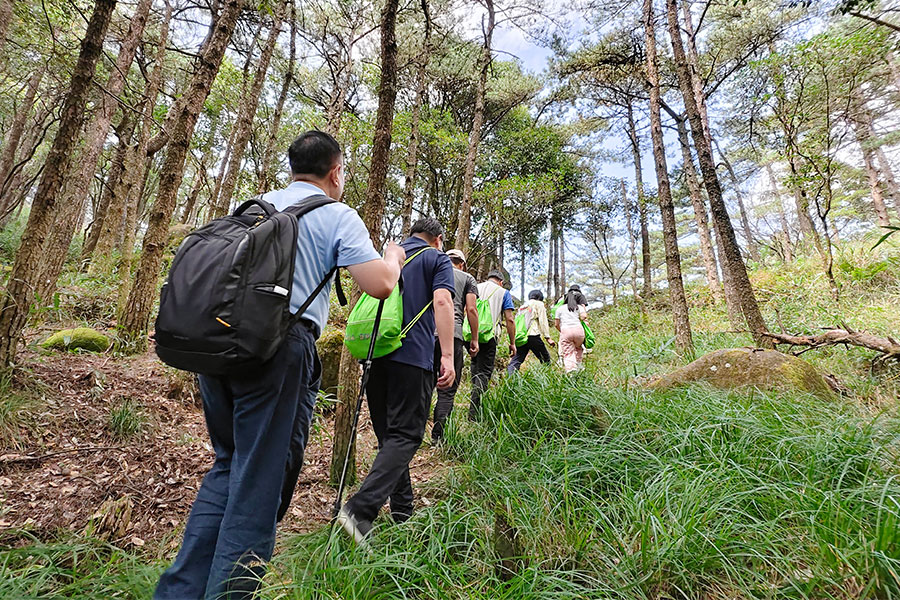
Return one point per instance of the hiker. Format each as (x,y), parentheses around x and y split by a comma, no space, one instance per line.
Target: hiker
(258,423)
(501,304)
(569,316)
(537,326)
(466,293)
(401,383)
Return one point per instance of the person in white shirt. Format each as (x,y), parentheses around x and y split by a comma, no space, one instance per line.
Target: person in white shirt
(536,317)
(569,316)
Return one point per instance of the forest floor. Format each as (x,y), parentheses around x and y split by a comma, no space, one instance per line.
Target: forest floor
(585,487)
(60,465)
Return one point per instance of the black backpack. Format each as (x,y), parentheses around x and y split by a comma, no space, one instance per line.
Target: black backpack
(225,306)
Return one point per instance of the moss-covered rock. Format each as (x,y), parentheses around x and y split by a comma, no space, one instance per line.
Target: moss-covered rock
(748,367)
(82,337)
(329,346)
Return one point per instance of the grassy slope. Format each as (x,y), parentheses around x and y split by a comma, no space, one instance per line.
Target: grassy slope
(603,491)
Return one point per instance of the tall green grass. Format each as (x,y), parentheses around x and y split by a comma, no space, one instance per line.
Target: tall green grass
(616,494)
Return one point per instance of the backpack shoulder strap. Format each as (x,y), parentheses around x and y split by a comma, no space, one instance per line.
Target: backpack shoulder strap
(307,204)
(267,207)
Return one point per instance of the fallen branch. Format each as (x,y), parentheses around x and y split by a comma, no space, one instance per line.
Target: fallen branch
(11,459)
(887,346)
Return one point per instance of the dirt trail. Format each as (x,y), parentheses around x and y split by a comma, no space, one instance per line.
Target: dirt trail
(67,461)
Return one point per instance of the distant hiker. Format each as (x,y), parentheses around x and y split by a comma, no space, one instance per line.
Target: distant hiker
(569,316)
(259,423)
(466,292)
(537,326)
(501,305)
(401,383)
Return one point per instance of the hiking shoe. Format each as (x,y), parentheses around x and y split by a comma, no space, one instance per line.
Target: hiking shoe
(358,529)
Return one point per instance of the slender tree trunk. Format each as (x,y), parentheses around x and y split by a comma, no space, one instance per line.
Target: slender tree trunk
(693,65)
(876,185)
(14,136)
(632,243)
(700,216)
(752,246)
(45,205)
(680,315)
(412,154)
(550,260)
(97,132)
(339,95)
(782,217)
(136,315)
(557,289)
(113,229)
(646,272)
(522,258)
(266,177)
(888,174)
(733,261)
(465,217)
(562,259)
(801,200)
(348,388)
(244,126)
(6,14)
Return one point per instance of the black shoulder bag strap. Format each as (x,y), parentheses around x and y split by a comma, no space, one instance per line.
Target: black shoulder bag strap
(298,210)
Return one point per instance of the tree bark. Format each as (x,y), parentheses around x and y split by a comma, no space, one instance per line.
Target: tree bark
(680,314)
(785,235)
(412,154)
(733,262)
(522,258)
(465,213)
(700,216)
(14,137)
(876,185)
(752,246)
(550,260)
(45,205)
(122,190)
(136,316)
(266,176)
(97,132)
(244,125)
(562,259)
(348,387)
(646,273)
(6,14)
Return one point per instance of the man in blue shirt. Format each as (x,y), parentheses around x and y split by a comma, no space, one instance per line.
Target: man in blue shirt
(401,383)
(259,423)
(502,306)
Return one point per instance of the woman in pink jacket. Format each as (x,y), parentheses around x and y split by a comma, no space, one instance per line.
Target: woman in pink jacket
(569,316)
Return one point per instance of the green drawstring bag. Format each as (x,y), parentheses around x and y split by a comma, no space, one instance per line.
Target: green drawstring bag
(523,322)
(588,336)
(485,321)
(391,330)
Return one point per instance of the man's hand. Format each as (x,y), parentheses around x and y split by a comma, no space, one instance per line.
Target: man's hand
(551,342)
(447,374)
(395,252)
(473,347)
(512,349)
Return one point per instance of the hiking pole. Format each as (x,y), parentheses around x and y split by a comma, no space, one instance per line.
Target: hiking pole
(367,365)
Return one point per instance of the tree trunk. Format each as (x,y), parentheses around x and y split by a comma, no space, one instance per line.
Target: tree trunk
(14,137)
(632,243)
(122,189)
(124,132)
(6,14)
(888,173)
(191,201)
(733,262)
(45,204)
(680,315)
(244,125)
(785,234)
(752,246)
(266,177)
(557,290)
(550,260)
(97,132)
(136,315)
(465,213)
(562,259)
(693,65)
(348,387)
(646,273)
(412,154)
(522,266)
(339,95)
(700,216)
(876,186)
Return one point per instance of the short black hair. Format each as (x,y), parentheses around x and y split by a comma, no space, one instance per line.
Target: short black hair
(535,295)
(314,153)
(457,260)
(495,274)
(429,226)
